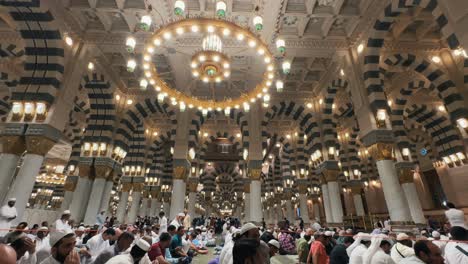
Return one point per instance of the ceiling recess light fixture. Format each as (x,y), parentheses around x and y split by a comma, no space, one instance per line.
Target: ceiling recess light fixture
(221,9)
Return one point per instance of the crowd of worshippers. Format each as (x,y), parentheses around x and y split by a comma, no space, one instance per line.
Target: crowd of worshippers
(180,240)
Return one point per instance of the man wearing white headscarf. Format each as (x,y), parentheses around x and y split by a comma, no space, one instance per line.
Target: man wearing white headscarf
(178,220)
(378,251)
(355,252)
(7,215)
(402,249)
(438,242)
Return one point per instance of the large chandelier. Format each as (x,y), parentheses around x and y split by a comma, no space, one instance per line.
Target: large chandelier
(210,63)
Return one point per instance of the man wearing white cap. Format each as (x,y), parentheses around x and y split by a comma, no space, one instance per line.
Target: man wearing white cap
(402,249)
(248,230)
(178,220)
(7,215)
(378,251)
(42,243)
(62,223)
(441,244)
(135,255)
(355,252)
(62,248)
(274,247)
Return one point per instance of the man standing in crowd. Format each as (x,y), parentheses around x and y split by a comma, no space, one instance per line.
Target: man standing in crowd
(318,254)
(62,248)
(425,252)
(124,241)
(62,223)
(402,249)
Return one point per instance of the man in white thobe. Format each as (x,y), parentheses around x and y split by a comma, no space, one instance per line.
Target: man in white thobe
(136,254)
(187,220)
(62,223)
(425,252)
(178,220)
(98,243)
(438,242)
(7,215)
(378,251)
(162,223)
(356,250)
(402,249)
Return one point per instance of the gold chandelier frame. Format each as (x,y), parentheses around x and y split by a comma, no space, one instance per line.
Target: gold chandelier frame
(224,29)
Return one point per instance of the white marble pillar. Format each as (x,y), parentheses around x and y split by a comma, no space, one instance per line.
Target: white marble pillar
(80,200)
(24,182)
(177,197)
(304,208)
(166,208)
(247,208)
(94,201)
(106,196)
(67,199)
(144,207)
(289,211)
(255,201)
(394,195)
(335,201)
(317,211)
(8,163)
(358,205)
(326,204)
(153,207)
(122,207)
(191,204)
(134,207)
(414,204)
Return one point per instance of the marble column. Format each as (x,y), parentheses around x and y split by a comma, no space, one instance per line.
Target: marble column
(177,197)
(154,210)
(95,197)
(166,207)
(394,194)
(247,207)
(144,207)
(303,202)
(69,188)
(8,163)
(135,205)
(357,200)
(335,201)
(326,203)
(122,206)
(289,211)
(13,147)
(191,204)
(255,202)
(406,177)
(81,193)
(106,196)
(316,210)
(24,182)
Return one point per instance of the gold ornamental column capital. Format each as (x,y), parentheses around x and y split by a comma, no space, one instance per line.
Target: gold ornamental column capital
(13,144)
(138,187)
(405,175)
(302,189)
(70,183)
(102,172)
(381,151)
(329,175)
(84,171)
(246,188)
(255,174)
(355,189)
(180,173)
(39,145)
(126,186)
(192,186)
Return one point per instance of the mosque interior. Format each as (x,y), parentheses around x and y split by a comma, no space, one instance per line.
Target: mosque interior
(336,111)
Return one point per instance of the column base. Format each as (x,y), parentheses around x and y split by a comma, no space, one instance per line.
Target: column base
(335,225)
(403,226)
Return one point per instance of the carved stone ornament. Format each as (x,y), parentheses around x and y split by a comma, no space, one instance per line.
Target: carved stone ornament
(70,183)
(255,174)
(84,170)
(126,186)
(180,173)
(330,175)
(13,145)
(39,145)
(406,175)
(247,188)
(192,186)
(355,190)
(381,151)
(138,187)
(102,172)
